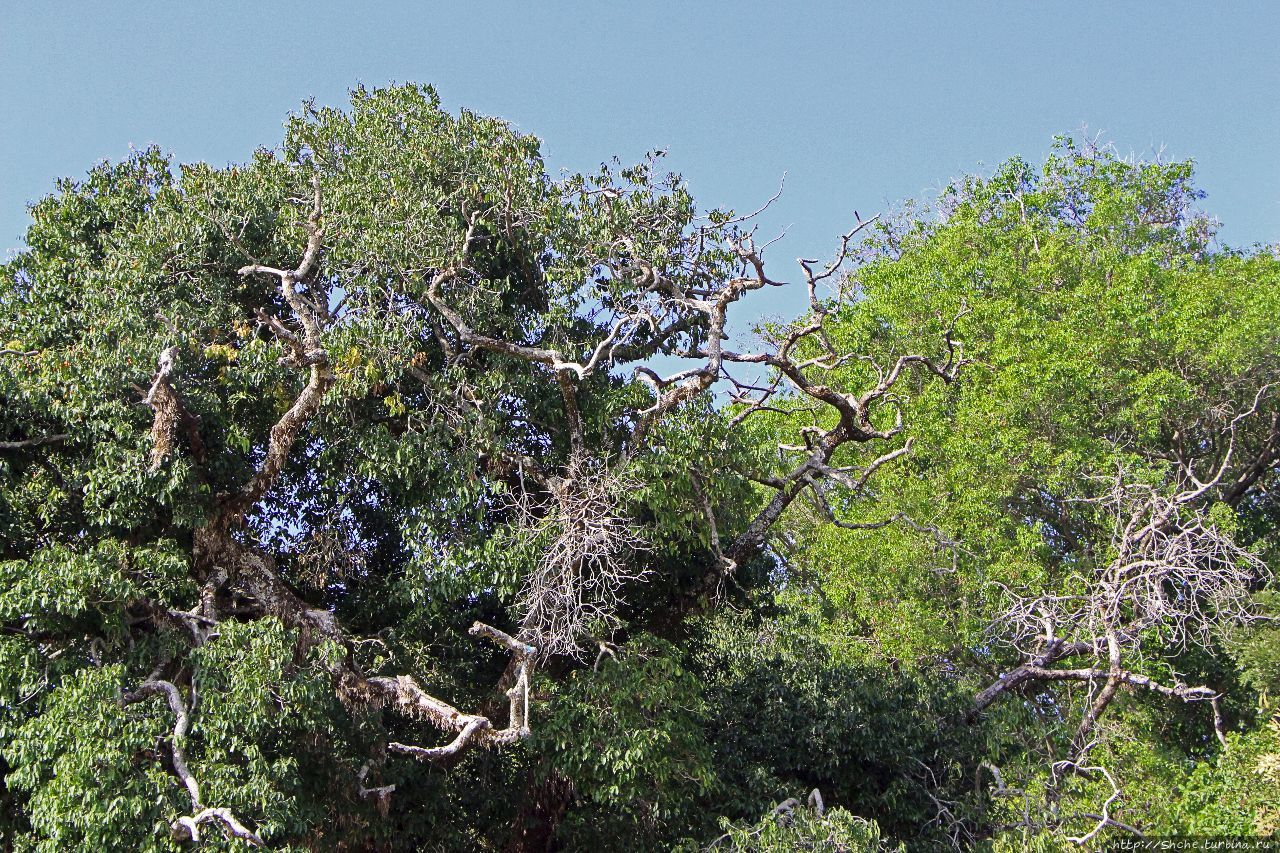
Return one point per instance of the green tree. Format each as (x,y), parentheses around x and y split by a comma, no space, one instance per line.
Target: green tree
(1087,511)
(277,436)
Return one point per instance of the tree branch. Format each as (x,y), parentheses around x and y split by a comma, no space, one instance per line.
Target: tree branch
(34,442)
(189,825)
(309,351)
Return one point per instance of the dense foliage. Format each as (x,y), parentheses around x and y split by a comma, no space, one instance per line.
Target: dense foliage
(344,505)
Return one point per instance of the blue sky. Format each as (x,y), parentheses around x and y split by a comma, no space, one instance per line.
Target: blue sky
(861,104)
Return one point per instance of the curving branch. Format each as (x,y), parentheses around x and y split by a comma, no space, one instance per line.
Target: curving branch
(854,412)
(189,827)
(307,350)
(381,793)
(1103,820)
(472,729)
(255,574)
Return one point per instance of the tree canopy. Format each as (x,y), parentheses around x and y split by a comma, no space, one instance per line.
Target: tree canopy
(387,492)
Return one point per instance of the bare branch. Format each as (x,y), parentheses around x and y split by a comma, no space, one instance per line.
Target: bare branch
(576,588)
(1104,820)
(1172,574)
(308,352)
(189,825)
(472,729)
(381,794)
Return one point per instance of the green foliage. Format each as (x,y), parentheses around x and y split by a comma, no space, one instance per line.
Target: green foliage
(1108,334)
(1256,652)
(76,761)
(267,735)
(628,736)
(387,512)
(802,828)
(1101,326)
(794,709)
(1107,331)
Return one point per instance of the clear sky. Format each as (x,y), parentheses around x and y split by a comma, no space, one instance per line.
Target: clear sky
(861,104)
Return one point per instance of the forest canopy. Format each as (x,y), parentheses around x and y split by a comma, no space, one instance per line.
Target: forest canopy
(387,492)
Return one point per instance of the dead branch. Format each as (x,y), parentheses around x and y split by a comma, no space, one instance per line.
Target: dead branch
(1171,574)
(255,574)
(576,588)
(234,565)
(381,794)
(1104,820)
(688,296)
(472,729)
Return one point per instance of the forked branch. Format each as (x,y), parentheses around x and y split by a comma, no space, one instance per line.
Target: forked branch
(188,827)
